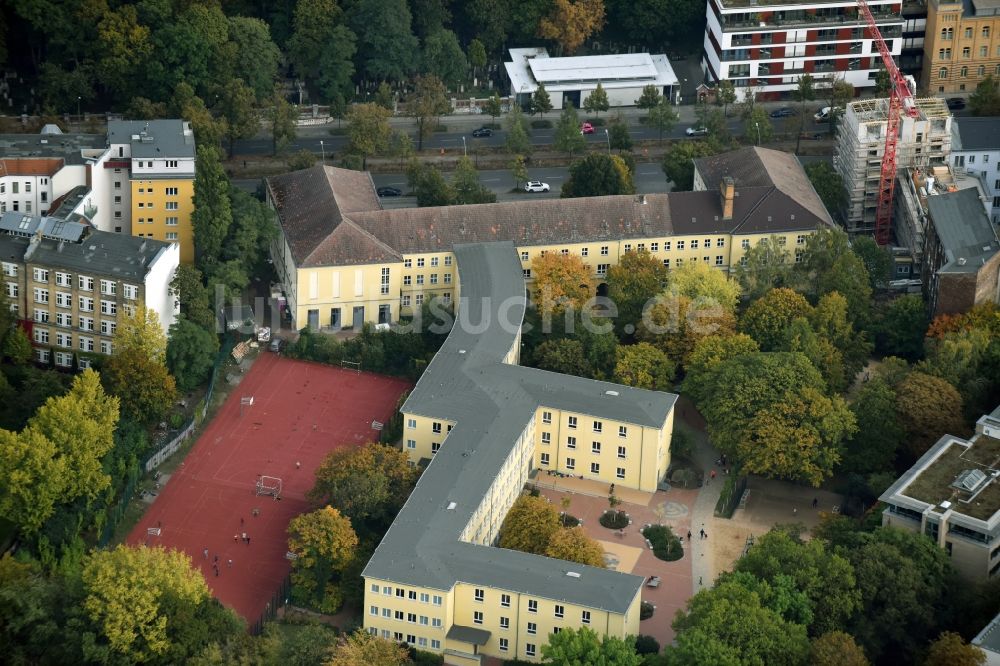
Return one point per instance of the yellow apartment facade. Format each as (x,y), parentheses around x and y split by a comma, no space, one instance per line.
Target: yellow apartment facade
(72,285)
(961,46)
(344,261)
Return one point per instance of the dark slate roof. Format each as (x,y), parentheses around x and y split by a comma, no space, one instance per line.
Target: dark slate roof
(157,138)
(68,147)
(966,234)
(491,404)
(977,133)
(465,634)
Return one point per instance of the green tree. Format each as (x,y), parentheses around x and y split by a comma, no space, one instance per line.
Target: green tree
(618,136)
(675,324)
(540,101)
(518,170)
(387,49)
(584,647)
(368,132)
(644,366)
(518,139)
(255,55)
(443,58)
(493,106)
(529,525)
(828,184)
(649,98)
(826,578)
(477,58)
(821,352)
(427,104)
(324,544)
(563,355)
(568,137)
(725,94)
(573,545)
(313,24)
(703,284)
(560,282)
(237,106)
(598,174)
(429,186)
(804,92)
(29,611)
(877,261)
(836,648)
(636,278)
(902,327)
(364,649)
(678,162)
(336,68)
(928,408)
(880,434)
(136,372)
(36,478)
(663,118)
(134,597)
(468,189)
(985,101)
(368,484)
(281,116)
(17,346)
(757,126)
(838,93)
(768,317)
(766,265)
(184,103)
(950,650)
(597,100)
(122,48)
(400,146)
(729,625)
(191,353)
(213,213)
(708,354)
(385,96)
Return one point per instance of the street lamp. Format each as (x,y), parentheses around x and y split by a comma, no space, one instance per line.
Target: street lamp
(608,137)
(322,151)
(465,148)
(78,106)
(757,125)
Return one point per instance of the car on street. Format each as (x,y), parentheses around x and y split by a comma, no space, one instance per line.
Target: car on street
(481,132)
(783,112)
(389,192)
(586,128)
(536,186)
(955,103)
(823,115)
(696,131)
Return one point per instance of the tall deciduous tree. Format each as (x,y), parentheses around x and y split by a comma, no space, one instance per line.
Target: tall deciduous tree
(324,544)
(188,288)
(560,282)
(803,93)
(597,100)
(767,318)
(880,434)
(468,189)
(368,133)
(568,137)
(570,22)
(519,170)
(704,285)
(191,353)
(663,118)
(36,478)
(902,327)
(678,162)
(529,525)
(477,58)
(387,49)
(281,117)
(429,186)
(573,545)
(563,355)
(757,126)
(829,186)
(928,408)
(518,139)
(237,105)
(255,56)
(636,278)
(443,57)
(583,647)
(950,650)
(649,97)
(364,649)
(675,324)
(644,366)
(837,648)
(767,265)
(725,94)
(985,101)
(336,68)
(596,175)
(213,213)
(427,104)
(877,260)
(618,135)
(136,372)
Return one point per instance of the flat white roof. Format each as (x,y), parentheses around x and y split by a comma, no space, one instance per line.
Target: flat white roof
(531,66)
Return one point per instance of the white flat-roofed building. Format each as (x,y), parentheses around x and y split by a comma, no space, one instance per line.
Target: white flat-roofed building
(572,79)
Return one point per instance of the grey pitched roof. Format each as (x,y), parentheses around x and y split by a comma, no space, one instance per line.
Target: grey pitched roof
(154,138)
(966,234)
(491,404)
(981,133)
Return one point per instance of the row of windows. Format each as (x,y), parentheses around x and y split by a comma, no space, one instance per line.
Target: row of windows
(558,610)
(408,263)
(65,340)
(85,283)
(418,641)
(639,247)
(170,191)
(945,54)
(403,593)
(418,299)
(949,33)
(432,278)
(595,467)
(412,618)
(86,304)
(595,447)
(65,320)
(964,72)
(62,359)
(15,186)
(148,164)
(171,221)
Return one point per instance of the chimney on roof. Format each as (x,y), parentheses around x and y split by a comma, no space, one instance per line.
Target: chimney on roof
(727,192)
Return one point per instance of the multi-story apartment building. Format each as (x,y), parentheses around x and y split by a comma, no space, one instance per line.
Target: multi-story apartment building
(138,179)
(437,581)
(961,45)
(71,285)
(924,142)
(975,150)
(766,45)
(343,261)
(952,494)
(911,58)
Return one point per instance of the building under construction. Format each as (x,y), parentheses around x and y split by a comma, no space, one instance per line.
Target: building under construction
(924,142)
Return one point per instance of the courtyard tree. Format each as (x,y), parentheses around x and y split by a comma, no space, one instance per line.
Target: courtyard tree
(324,544)
(583,647)
(136,371)
(928,407)
(950,650)
(837,648)
(880,433)
(36,478)
(707,355)
(561,282)
(678,162)
(597,100)
(768,317)
(675,324)
(636,278)
(985,101)
(573,545)
(704,285)
(213,213)
(191,352)
(644,366)
(530,525)
(877,260)
(364,649)
(765,265)
(563,355)
(902,327)
(368,132)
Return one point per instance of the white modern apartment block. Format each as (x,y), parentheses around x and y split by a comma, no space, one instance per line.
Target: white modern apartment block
(767,45)
(975,149)
(924,142)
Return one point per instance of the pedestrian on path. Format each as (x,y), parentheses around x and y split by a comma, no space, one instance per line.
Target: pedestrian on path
(702,533)
(230,563)
(248,541)
(689,536)
(815,502)
(236,537)
(699,581)
(244,536)
(205,553)
(713,474)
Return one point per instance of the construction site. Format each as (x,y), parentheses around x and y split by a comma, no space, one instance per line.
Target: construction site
(924,141)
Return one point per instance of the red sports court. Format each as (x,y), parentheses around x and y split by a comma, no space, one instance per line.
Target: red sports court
(301,411)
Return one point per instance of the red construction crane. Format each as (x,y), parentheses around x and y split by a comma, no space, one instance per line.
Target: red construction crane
(900,100)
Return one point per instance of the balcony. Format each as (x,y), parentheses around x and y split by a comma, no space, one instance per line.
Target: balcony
(801,19)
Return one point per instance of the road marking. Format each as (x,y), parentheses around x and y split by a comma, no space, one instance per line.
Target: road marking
(489,180)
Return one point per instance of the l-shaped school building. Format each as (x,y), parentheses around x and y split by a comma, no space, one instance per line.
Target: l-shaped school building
(486,424)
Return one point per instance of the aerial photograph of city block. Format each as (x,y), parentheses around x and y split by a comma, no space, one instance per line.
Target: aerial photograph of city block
(500,332)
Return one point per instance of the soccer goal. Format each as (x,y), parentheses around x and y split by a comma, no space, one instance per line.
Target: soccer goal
(351,365)
(269,485)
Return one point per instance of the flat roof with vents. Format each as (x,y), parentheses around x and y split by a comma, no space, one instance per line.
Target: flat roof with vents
(530,66)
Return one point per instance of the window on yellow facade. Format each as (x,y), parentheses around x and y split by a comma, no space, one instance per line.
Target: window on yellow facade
(585,617)
(595,468)
(505,600)
(968,33)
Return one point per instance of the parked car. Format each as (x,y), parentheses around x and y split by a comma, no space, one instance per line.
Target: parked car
(536,186)
(389,192)
(955,103)
(783,112)
(696,131)
(481,132)
(586,128)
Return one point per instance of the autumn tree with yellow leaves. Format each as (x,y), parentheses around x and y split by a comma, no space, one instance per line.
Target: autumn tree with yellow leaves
(324,544)
(137,371)
(571,22)
(561,282)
